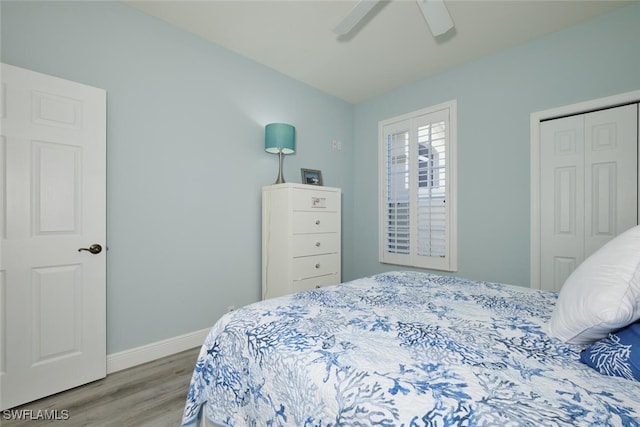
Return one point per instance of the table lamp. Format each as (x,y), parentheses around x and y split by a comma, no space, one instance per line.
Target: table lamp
(280,139)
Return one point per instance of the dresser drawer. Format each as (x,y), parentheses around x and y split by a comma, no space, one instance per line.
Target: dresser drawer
(315,244)
(315,200)
(314,265)
(315,222)
(315,282)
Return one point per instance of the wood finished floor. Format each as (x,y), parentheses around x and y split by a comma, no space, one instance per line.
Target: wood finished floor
(152,394)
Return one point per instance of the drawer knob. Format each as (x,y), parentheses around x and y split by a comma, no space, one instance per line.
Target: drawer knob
(318,265)
(317,244)
(317,286)
(317,222)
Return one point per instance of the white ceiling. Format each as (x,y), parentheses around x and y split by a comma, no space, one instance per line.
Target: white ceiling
(392,47)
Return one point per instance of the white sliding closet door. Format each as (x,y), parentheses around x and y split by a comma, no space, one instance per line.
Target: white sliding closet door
(588,187)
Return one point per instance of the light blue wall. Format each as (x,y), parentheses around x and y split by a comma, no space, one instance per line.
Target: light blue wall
(186,162)
(495,97)
(185,154)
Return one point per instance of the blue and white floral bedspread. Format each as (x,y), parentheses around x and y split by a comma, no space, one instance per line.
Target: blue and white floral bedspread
(402,349)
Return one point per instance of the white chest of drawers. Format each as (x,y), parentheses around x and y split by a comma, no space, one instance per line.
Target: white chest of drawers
(301,238)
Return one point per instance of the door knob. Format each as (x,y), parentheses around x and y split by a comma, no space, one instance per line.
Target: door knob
(94,249)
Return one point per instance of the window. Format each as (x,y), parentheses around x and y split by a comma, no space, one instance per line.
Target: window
(417,192)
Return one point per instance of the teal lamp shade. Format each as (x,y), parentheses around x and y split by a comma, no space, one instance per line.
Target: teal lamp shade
(280,139)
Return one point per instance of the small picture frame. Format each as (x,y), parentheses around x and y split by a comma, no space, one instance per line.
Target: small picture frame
(311,176)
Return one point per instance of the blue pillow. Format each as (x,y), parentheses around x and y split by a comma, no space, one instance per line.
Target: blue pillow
(617,355)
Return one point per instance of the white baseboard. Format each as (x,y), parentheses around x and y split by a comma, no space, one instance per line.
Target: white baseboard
(147,353)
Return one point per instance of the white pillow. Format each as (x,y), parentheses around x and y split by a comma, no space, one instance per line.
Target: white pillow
(602,294)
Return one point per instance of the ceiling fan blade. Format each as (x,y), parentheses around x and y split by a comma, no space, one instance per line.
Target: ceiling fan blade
(437,16)
(356,14)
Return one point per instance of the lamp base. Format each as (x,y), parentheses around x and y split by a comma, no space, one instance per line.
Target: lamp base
(280,179)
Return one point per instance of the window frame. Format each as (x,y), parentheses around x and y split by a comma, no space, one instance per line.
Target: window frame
(410,121)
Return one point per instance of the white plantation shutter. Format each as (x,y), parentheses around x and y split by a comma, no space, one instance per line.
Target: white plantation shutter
(397,205)
(417,158)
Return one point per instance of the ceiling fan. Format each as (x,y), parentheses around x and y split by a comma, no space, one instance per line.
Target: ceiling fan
(434,11)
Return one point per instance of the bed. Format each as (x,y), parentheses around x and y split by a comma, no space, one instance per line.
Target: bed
(401,349)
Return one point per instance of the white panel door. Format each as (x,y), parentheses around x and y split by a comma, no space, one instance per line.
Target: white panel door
(611,174)
(52,294)
(588,187)
(561,199)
